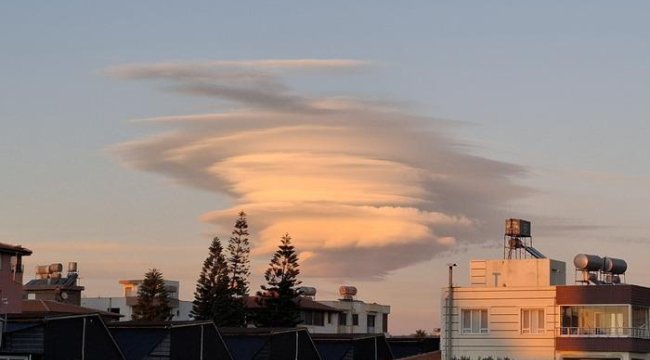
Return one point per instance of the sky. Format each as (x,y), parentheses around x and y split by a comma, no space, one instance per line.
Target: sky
(388,139)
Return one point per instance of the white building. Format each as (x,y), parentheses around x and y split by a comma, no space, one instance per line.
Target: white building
(358,317)
(507,311)
(124,304)
(347,315)
(521,308)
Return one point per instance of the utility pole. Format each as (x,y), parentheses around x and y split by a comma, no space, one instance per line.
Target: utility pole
(449,313)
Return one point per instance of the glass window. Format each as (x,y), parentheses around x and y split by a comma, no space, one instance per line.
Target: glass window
(594,320)
(343,318)
(355,319)
(371,320)
(532,321)
(318,318)
(475,321)
(307,317)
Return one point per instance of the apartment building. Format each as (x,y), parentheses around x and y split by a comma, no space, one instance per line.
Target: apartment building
(520,307)
(356,316)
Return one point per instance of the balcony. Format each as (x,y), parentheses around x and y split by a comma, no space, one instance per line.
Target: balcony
(603,339)
(638,333)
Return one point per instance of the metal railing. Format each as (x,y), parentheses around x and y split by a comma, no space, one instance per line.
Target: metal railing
(641,333)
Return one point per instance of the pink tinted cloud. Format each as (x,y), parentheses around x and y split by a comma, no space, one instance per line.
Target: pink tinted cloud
(363,188)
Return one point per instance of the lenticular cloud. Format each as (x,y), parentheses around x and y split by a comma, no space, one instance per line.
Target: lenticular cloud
(363,187)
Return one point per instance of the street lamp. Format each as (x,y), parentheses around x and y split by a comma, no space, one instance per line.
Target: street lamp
(450,304)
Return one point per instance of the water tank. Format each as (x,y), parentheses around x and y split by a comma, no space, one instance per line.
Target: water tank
(72,267)
(42,269)
(347,291)
(307,291)
(614,265)
(587,262)
(517,228)
(56,268)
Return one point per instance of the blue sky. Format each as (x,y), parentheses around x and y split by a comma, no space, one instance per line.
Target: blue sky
(557,88)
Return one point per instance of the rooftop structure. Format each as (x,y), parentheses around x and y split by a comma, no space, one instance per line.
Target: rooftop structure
(11,277)
(50,284)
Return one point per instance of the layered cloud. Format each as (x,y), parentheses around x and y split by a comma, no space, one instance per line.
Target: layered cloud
(363,187)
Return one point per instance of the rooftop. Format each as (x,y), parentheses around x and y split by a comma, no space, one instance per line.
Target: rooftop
(45,308)
(14,249)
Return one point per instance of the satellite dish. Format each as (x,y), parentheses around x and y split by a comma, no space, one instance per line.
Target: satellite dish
(64,295)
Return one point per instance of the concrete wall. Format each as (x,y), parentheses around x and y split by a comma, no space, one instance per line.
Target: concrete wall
(504,337)
(180,312)
(362,310)
(11,286)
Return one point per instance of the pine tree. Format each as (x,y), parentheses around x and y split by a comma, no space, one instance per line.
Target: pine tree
(213,298)
(279,299)
(239,268)
(238,250)
(153,302)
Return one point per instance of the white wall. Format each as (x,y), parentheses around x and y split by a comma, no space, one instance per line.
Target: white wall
(504,337)
(362,309)
(181,313)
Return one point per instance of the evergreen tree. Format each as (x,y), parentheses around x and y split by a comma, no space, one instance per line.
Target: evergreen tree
(213,298)
(153,302)
(279,299)
(238,251)
(239,268)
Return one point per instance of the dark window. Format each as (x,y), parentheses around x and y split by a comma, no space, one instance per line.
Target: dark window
(313,318)
(329,318)
(319,318)
(114,310)
(371,320)
(343,319)
(355,319)
(384,323)
(306,317)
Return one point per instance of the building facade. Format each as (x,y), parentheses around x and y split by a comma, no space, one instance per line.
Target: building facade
(11,277)
(343,316)
(522,309)
(358,317)
(51,285)
(123,305)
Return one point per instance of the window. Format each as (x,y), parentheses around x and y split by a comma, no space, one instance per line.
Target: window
(329,317)
(475,321)
(355,319)
(114,310)
(384,323)
(532,321)
(604,320)
(370,324)
(343,319)
(316,318)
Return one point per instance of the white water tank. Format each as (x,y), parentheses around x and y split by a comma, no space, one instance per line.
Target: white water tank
(614,265)
(347,291)
(588,262)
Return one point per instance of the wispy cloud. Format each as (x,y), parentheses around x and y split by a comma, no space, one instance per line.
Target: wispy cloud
(363,187)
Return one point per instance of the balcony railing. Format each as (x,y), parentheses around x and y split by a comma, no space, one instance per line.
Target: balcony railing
(640,333)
